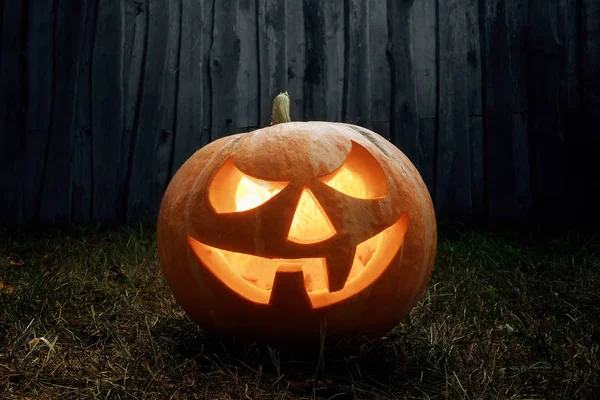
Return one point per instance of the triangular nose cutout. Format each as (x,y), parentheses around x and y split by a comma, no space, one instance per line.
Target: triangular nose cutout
(310,223)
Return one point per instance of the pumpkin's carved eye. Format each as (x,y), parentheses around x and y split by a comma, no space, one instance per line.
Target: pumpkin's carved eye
(233,191)
(252,192)
(360,176)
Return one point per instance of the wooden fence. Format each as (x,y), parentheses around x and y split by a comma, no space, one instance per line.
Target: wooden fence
(497,102)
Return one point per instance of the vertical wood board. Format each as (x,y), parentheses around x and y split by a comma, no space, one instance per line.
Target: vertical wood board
(272,50)
(546,121)
(356,107)
(11,119)
(453,175)
(141,197)
(424,39)
(39,69)
(225,60)
(404,126)
(108,105)
(380,89)
(591,101)
(190,88)
(296,57)
(55,198)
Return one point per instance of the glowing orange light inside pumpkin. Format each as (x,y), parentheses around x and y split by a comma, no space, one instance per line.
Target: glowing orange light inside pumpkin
(252,277)
(345,181)
(310,224)
(252,193)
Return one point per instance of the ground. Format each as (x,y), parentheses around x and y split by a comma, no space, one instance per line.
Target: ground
(85,313)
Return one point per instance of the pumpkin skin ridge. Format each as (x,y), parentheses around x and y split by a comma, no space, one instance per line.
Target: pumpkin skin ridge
(360,314)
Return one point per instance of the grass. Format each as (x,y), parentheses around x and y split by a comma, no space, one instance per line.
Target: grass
(85,313)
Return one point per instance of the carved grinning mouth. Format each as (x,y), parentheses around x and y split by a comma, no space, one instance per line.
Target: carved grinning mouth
(256,278)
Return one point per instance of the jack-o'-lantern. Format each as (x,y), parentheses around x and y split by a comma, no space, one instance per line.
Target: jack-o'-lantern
(275,232)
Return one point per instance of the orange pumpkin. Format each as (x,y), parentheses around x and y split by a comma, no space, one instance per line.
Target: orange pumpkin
(275,232)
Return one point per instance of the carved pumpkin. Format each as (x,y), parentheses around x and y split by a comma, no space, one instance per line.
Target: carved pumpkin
(273,233)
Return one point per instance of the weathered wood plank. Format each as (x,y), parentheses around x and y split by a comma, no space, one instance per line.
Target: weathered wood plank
(168,103)
(324,73)
(503,201)
(12,121)
(190,90)
(356,107)
(518,15)
(207,92)
(82,192)
(334,57)
(33,172)
(136,21)
(474,59)
(591,96)
(424,38)
(108,102)
(296,51)
(130,10)
(404,120)
(569,11)
(315,74)
(56,194)
(478,184)
(426,157)
(546,123)
(137,31)
(39,103)
(380,89)
(246,81)
(569,22)
(272,50)
(143,160)
(453,176)
(225,61)
(522,168)
(40,26)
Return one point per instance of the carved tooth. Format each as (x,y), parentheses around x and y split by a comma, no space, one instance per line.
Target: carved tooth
(288,288)
(338,268)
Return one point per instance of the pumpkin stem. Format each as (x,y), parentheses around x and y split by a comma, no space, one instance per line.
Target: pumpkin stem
(281,109)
